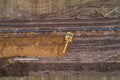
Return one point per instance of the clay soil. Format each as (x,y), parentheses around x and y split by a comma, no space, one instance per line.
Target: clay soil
(47,45)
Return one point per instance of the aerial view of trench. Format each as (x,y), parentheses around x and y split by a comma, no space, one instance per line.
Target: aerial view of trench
(59,39)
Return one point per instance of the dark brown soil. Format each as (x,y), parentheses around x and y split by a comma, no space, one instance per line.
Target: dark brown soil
(25,69)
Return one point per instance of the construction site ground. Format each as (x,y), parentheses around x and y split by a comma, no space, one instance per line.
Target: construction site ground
(89,51)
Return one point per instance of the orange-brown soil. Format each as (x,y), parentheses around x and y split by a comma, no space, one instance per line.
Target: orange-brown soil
(47,45)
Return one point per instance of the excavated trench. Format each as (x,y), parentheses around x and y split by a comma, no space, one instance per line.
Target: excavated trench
(99,53)
(47,45)
(89,51)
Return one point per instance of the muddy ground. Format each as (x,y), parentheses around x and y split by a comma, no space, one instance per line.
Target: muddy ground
(101,54)
(27,69)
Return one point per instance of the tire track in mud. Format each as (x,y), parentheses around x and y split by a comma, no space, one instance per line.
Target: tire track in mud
(95,43)
(95,49)
(60,23)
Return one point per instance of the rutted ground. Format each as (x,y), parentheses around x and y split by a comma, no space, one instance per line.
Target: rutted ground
(86,53)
